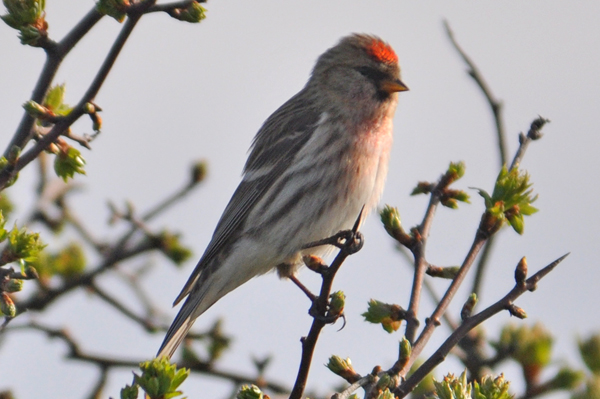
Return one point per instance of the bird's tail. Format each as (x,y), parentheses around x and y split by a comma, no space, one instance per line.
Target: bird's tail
(175,335)
(193,307)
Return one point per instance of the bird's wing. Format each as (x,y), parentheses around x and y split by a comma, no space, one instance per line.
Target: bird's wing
(283,134)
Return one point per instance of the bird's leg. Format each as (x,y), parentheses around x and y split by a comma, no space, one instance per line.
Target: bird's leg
(303,288)
(286,270)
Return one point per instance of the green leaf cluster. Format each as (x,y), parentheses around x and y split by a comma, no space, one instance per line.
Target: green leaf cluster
(590,353)
(386,314)
(452,387)
(26,16)
(68,262)
(23,12)
(341,367)
(67,162)
(511,198)
(54,101)
(171,246)
(530,346)
(250,392)
(22,244)
(159,379)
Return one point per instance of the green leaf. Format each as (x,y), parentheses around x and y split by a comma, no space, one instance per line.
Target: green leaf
(68,162)
(456,170)
(517,222)
(249,392)
(589,350)
(129,392)
(389,316)
(171,246)
(24,245)
(491,388)
(160,378)
(55,100)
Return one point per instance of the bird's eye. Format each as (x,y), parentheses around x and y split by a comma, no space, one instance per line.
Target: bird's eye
(371,73)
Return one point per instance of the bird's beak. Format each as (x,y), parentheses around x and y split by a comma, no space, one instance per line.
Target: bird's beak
(392,86)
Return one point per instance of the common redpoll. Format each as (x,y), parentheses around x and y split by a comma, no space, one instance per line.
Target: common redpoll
(313,165)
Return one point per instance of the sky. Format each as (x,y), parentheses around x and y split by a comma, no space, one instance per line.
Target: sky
(182,92)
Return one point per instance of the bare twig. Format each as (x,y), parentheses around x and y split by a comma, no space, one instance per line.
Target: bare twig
(353,387)
(495,104)
(417,247)
(433,320)
(100,384)
(503,304)
(534,133)
(146,324)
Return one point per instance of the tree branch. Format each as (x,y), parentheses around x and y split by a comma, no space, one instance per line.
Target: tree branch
(468,324)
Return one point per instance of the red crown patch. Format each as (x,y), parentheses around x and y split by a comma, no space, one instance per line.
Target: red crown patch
(382,52)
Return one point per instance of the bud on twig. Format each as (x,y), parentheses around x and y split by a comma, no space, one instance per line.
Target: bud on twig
(521,271)
(405,352)
(516,311)
(336,304)
(250,392)
(199,172)
(342,367)
(468,307)
(7,306)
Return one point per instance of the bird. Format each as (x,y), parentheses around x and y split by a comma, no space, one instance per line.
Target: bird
(317,162)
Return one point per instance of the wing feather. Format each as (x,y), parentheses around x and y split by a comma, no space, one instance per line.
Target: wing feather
(274,148)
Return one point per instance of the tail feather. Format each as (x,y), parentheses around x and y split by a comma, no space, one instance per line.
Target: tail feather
(195,304)
(175,335)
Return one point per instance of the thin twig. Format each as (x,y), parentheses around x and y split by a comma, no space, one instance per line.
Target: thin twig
(351,245)
(496,107)
(412,321)
(495,104)
(433,320)
(534,133)
(440,354)
(100,384)
(353,387)
(146,324)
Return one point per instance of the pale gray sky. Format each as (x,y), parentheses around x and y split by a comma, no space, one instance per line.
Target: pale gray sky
(181,92)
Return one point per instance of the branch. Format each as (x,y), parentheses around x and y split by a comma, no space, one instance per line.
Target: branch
(53,61)
(495,104)
(534,133)
(434,320)
(352,244)
(417,246)
(61,127)
(496,107)
(76,353)
(468,324)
